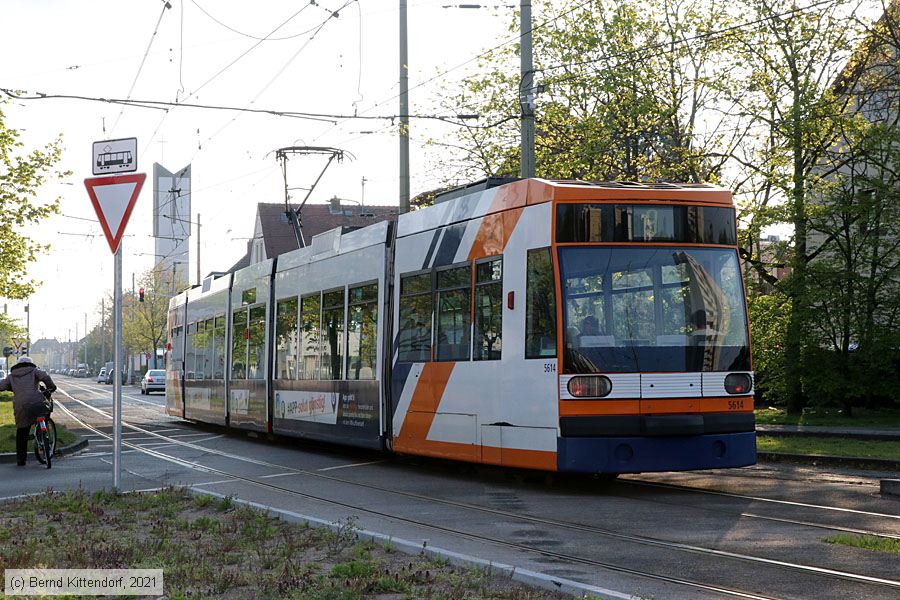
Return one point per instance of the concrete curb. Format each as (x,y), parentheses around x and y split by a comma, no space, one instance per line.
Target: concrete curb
(524,576)
(877,464)
(79,444)
(882,436)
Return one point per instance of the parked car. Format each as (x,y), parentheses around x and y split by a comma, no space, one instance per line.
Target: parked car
(2,374)
(101,376)
(153,381)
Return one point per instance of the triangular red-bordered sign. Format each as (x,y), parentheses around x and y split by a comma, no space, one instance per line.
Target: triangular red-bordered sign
(113,199)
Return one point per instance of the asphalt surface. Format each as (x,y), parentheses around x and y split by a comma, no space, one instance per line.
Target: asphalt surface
(754,532)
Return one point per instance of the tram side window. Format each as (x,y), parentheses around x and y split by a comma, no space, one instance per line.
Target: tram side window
(414,344)
(208,349)
(177,353)
(239,344)
(310,326)
(286,339)
(219,347)
(488,309)
(454,294)
(190,352)
(540,305)
(362,332)
(256,360)
(332,334)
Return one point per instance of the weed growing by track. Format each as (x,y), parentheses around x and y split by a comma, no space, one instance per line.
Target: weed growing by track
(867,542)
(214,548)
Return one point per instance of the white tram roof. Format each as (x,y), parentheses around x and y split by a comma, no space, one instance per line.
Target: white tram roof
(334,242)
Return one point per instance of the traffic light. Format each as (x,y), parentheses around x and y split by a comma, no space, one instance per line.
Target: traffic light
(141,294)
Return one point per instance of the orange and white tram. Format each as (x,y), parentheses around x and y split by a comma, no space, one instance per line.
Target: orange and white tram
(552,325)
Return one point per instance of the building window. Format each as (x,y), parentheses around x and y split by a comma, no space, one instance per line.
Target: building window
(540,305)
(362,332)
(488,309)
(310,325)
(286,328)
(332,334)
(454,294)
(414,344)
(239,344)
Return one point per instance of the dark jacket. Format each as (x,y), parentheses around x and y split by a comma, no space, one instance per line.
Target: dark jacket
(28,401)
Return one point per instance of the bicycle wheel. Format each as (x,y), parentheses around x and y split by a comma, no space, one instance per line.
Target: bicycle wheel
(45,444)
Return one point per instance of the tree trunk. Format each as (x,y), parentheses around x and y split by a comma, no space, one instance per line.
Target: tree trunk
(793,344)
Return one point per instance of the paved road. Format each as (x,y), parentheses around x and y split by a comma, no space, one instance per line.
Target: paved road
(753,532)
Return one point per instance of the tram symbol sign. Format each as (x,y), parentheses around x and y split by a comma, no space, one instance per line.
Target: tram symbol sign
(113,199)
(114,156)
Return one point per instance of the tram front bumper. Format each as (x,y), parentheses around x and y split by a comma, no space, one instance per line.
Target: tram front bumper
(650,453)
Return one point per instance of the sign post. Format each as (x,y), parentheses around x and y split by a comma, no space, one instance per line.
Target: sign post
(113,199)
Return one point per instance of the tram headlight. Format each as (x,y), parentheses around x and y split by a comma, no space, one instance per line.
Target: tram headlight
(738,383)
(589,386)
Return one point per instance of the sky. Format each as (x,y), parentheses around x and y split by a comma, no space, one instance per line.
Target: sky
(311,61)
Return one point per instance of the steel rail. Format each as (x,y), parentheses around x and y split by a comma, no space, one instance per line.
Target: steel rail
(671,486)
(844,575)
(474,537)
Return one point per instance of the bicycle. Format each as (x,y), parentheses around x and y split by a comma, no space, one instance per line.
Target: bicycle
(45,435)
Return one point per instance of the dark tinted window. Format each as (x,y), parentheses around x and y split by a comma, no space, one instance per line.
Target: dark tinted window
(576,223)
(671,308)
(332,334)
(540,306)
(454,292)
(488,310)
(414,342)
(362,333)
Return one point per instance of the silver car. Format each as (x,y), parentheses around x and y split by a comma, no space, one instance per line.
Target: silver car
(153,381)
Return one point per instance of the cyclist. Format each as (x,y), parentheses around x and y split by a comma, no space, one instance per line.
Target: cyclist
(24,381)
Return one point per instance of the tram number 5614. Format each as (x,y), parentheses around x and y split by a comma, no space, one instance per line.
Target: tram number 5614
(549,367)
(735,404)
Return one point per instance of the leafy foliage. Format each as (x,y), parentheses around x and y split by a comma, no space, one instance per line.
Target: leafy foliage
(21,177)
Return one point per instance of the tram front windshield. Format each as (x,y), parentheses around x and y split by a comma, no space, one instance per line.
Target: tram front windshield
(646,309)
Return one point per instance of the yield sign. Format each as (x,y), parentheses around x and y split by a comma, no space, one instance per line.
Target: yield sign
(113,198)
(18,343)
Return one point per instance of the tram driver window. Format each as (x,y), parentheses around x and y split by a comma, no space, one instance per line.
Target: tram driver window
(414,343)
(540,305)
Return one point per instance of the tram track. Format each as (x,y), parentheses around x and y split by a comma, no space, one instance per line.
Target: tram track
(748,515)
(629,538)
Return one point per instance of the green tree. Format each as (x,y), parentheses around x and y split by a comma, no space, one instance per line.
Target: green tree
(790,63)
(21,176)
(621,96)
(144,323)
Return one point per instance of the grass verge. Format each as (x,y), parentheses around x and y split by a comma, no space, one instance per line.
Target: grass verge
(64,437)
(212,548)
(829,446)
(867,542)
(875,419)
